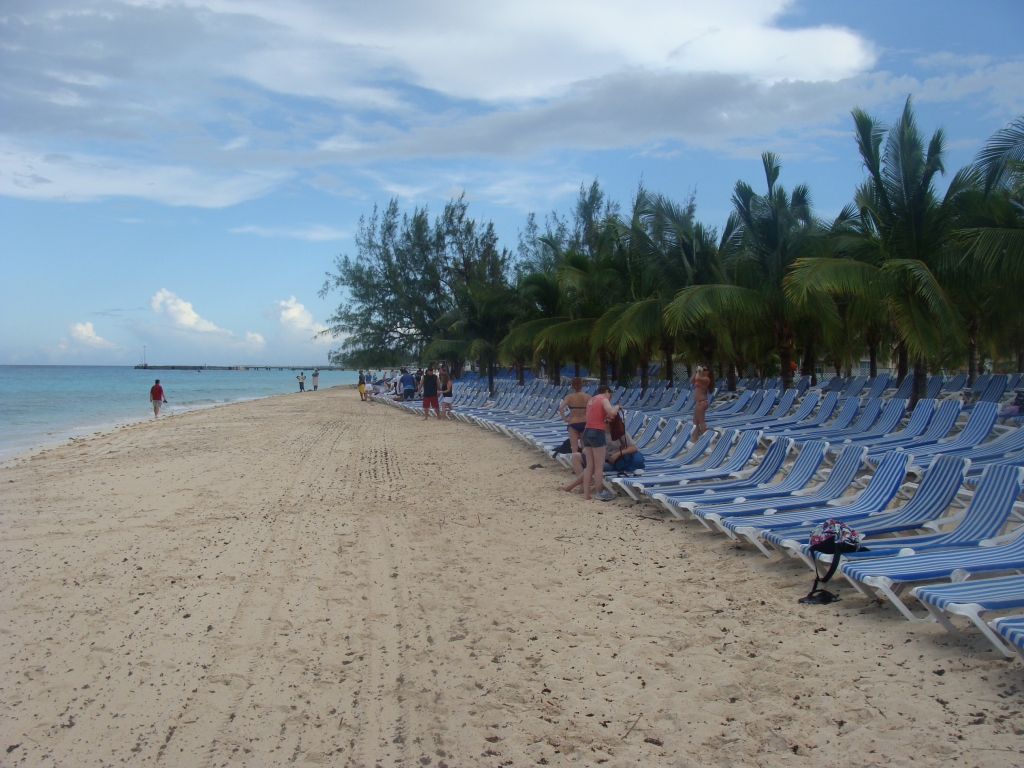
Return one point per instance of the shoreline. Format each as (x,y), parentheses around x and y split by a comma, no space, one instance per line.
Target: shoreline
(324,580)
(11,456)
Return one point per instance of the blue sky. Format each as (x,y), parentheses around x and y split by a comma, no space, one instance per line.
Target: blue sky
(180,175)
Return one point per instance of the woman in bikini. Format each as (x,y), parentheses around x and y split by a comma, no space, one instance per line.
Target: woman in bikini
(576,417)
(599,410)
(701,384)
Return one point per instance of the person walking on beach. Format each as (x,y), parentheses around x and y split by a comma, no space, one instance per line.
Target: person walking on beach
(576,417)
(447,394)
(156,396)
(599,410)
(361,386)
(316,378)
(701,384)
(428,388)
(302,381)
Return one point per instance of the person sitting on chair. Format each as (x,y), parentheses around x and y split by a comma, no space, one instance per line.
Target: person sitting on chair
(623,455)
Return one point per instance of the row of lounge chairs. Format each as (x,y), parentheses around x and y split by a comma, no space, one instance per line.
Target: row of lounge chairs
(935,491)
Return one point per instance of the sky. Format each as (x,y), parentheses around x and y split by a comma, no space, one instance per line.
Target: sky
(176,178)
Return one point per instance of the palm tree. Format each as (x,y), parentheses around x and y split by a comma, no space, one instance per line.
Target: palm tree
(901,231)
(768,233)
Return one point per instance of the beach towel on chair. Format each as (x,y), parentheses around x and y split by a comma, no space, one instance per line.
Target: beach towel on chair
(833,537)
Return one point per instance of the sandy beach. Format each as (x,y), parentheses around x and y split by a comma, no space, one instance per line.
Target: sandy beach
(311,579)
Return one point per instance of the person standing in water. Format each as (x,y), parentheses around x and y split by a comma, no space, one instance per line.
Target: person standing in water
(156,396)
(701,384)
(302,381)
(316,378)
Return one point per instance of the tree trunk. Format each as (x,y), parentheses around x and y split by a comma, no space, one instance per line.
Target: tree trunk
(668,349)
(920,390)
(615,368)
(785,357)
(807,367)
(576,367)
(490,376)
(730,377)
(556,372)
(972,353)
(872,338)
(1020,360)
(521,371)
(901,364)
(644,373)
(603,362)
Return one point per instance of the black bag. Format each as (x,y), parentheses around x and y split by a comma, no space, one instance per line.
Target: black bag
(830,538)
(564,447)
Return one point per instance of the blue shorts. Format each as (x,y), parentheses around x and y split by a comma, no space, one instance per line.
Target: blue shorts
(593,438)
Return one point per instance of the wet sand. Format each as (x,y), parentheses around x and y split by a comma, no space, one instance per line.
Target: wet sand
(311,579)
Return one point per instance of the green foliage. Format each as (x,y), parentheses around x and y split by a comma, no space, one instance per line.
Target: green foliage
(902,269)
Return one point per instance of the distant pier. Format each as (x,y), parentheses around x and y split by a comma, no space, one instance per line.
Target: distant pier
(145,367)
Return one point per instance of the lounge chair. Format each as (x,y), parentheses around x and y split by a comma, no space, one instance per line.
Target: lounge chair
(881,488)
(848,463)
(805,469)
(971,599)
(889,575)
(1011,628)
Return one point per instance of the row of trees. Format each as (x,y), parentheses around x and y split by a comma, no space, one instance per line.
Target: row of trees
(902,274)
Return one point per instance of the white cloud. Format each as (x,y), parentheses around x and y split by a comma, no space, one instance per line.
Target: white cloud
(297,320)
(182,314)
(84,333)
(77,176)
(532,48)
(316,232)
(255,340)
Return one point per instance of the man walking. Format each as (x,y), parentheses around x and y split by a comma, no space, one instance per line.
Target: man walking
(302,381)
(428,388)
(156,396)
(316,378)
(361,386)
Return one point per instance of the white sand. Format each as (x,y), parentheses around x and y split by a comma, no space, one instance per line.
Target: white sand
(311,579)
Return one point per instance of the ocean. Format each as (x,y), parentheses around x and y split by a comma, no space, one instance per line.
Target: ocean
(42,404)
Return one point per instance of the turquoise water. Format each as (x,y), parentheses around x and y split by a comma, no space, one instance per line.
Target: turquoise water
(47,403)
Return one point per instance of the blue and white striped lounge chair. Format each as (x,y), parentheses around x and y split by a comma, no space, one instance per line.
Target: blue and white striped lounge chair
(1011,629)
(678,454)
(942,421)
(825,412)
(678,474)
(1003,446)
(804,470)
(955,383)
(848,463)
(878,385)
(989,511)
(971,599)
(882,487)
(765,470)
(978,427)
(906,387)
(892,415)
(888,575)
(936,493)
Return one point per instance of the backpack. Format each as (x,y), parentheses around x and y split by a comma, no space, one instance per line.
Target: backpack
(833,537)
